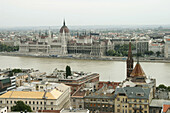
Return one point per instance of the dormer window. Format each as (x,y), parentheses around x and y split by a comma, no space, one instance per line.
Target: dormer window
(139,94)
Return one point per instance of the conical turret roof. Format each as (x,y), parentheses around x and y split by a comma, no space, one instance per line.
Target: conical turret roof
(138,71)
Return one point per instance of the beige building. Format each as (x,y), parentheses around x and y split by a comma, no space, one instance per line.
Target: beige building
(167,48)
(3,110)
(132,100)
(20,78)
(55,99)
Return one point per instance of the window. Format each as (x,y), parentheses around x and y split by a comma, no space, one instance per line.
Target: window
(37,102)
(1,101)
(145,111)
(51,108)
(25,102)
(41,103)
(37,108)
(94,105)
(51,103)
(33,102)
(33,108)
(74,100)
(130,105)
(118,110)
(80,106)
(130,111)
(29,102)
(145,106)
(118,99)
(140,106)
(11,102)
(7,102)
(44,103)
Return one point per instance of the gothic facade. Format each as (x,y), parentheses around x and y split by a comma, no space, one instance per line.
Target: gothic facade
(64,45)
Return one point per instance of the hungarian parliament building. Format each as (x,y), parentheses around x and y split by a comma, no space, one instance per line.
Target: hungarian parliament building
(66,45)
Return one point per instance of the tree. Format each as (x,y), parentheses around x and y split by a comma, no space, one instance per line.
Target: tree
(21,106)
(16,70)
(68,71)
(158,53)
(162,86)
(168,88)
(11,73)
(149,52)
(111,53)
(4,48)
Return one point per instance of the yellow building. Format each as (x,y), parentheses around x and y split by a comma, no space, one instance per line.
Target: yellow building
(132,100)
(56,99)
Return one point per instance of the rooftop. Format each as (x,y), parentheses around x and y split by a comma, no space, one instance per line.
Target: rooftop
(74,110)
(134,92)
(158,102)
(138,71)
(54,94)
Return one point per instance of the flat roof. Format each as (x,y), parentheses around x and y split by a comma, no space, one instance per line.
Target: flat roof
(158,102)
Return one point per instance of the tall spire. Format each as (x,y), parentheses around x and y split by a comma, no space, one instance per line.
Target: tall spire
(64,24)
(129,61)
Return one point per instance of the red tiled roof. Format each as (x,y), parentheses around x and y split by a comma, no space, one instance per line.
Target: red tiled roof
(109,84)
(165,108)
(168,39)
(154,44)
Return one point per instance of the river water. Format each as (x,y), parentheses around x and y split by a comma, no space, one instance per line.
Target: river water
(108,70)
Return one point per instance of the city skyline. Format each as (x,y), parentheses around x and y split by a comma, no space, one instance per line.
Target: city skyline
(110,12)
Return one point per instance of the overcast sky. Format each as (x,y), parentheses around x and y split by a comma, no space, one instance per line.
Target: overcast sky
(83,12)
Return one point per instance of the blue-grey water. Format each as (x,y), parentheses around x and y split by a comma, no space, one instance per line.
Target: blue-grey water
(108,70)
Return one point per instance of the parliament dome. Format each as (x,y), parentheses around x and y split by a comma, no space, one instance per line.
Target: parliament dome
(65,28)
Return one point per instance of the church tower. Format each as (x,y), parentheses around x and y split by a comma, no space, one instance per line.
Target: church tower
(129,61)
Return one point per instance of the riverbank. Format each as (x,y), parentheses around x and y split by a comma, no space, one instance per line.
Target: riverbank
(103,58)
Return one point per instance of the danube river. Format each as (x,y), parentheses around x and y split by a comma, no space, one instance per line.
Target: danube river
(108,70)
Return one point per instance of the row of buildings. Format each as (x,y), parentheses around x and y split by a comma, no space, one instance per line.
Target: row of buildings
(90,44)
(64,44)
(82,90)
